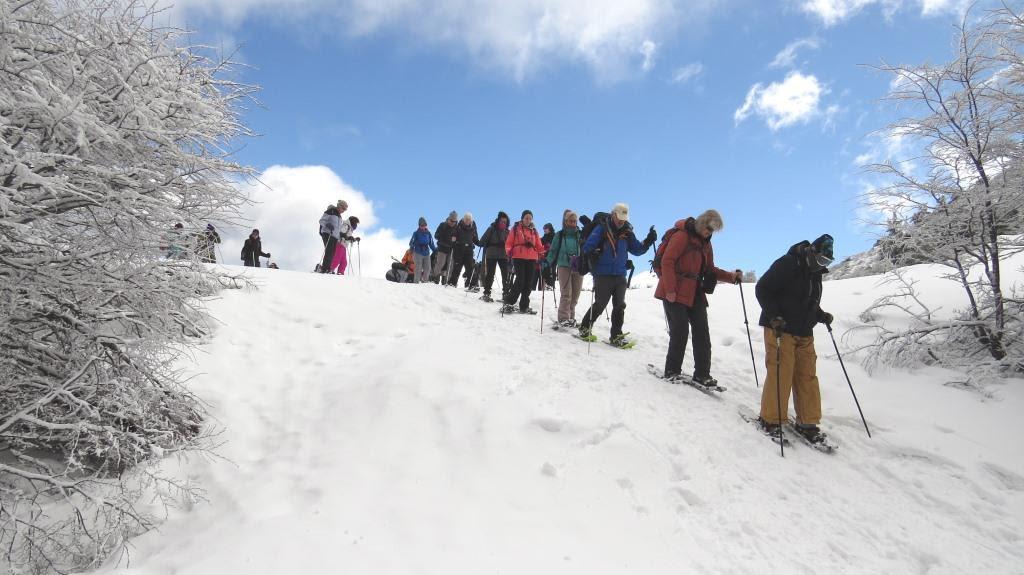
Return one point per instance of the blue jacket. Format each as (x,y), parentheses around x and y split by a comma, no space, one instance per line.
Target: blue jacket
(422,242)
(612,262)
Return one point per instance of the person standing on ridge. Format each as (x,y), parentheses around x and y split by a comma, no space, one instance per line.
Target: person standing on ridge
(252,250)
(524,249)
(610,242)
(330,233)
(493,242)
(790,297)
(686,274)
(446,236)
(564,247)
(422,245)
(466,240)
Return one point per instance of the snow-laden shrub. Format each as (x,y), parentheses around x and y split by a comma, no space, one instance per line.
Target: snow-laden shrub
(111,132)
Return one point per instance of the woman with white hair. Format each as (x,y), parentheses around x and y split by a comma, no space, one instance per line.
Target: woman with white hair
(686,274)
(565,247)
(466,240)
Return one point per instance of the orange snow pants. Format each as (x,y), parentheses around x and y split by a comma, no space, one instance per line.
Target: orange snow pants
(799,373)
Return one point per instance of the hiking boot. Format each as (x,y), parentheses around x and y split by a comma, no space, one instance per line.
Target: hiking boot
(487,298)
(528,310)
(619,340)
(812,433)
(567,323)
(508,308)
(773,429)
(586,333)
(705,381)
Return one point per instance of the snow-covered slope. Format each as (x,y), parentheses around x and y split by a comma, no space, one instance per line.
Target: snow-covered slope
(378,428)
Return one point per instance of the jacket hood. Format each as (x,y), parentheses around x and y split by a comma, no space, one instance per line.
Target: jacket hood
(797,248)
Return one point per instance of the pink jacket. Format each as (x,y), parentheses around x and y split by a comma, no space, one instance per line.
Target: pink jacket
(524,244)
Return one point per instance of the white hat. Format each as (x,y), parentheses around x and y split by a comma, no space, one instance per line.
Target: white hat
(621,211)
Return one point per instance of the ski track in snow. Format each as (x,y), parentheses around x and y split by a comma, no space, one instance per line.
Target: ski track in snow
(372,427)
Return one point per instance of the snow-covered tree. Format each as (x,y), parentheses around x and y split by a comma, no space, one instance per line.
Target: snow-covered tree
(111,132)
(958,201)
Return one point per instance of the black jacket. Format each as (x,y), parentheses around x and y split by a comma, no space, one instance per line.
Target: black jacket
(494,243)
(251,252)
(790,289)
(443,235)
(466,237)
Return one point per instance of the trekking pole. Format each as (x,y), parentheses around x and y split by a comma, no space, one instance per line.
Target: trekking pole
(359,259)
(848,379)
(542,300)
(743,301)
(221,254)
(590,313)
(778,388)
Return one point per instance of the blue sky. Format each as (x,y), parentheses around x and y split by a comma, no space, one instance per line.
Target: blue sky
(673,107)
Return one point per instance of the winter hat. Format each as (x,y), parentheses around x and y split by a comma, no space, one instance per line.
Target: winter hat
(423,221)
(500,216)
(343,204)
(523,215)
(823,245)
(453,215)
(354,221)
(257,232)
(548,226)
(621,211)
(710,219)
(210,227)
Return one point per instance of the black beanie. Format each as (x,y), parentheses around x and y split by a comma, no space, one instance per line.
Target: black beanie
(524,214)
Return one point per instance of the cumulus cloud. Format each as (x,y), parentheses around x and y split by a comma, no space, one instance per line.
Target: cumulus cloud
(787,57)
(832,12)
(287,206)
(686,73)
(795,100)
(519,37)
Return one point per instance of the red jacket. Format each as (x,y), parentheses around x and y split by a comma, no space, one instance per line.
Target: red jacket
(682,262)
(516,245)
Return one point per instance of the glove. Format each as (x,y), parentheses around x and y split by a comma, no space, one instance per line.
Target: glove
(268,255)
(652,236)
(777,324)
(739,276)
(827,318)
(358,239)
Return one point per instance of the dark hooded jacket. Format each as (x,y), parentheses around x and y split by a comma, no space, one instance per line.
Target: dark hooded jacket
(791,289)
(466,237)
(443,235)
(493,239)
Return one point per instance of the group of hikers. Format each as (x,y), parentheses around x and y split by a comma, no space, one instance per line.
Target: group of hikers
(789,292)
(180,244)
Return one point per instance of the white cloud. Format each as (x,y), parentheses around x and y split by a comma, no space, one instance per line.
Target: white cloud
(518,37)
(787,57)
(794,100)
(287,210)
(832,12)
(686,73)
(648,49)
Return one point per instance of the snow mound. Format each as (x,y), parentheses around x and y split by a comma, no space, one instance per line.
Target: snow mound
(372,427)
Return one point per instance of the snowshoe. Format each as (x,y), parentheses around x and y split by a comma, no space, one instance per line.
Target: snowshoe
(508,308)
(473,289)
(586,335)
(486,298)
(621,342)
(813,436)
(771,431)
(567,323)
(528,311)
(680,378)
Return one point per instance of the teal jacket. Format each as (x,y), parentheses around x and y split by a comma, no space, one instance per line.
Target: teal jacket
(565,246)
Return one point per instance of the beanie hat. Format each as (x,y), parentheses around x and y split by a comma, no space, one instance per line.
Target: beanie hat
(621,211)
(710,219)
(453,215)
(548,226)
(524,213)
(824,245)
(423,221)
(500,216)
(353,220)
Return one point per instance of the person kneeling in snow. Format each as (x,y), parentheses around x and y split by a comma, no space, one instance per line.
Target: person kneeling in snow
(790,298)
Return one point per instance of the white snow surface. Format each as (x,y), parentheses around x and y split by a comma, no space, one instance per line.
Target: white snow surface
(372,427)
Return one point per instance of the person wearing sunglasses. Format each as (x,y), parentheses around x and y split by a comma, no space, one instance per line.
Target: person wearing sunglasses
(790,297)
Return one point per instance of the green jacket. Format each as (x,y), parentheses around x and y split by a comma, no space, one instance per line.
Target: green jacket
(565,245)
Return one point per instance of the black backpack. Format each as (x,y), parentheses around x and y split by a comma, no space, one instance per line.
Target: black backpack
(584,263)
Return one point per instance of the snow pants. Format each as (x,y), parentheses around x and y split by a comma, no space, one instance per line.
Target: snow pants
(798,372)
(608,288)
(524,280)
(441,265)
(462,257)
(570,283)
(422,266)
(680,318)
(340,259)
(329,249)
(489,275)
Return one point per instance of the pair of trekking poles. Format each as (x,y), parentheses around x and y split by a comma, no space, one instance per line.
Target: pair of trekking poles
(778,369)
(359,257)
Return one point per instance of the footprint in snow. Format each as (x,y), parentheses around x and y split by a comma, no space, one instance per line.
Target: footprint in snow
(549,424)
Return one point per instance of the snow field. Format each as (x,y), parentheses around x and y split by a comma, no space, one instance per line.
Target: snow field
(373,427)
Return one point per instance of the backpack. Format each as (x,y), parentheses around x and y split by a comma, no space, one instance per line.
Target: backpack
(659,254)
(583,264)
